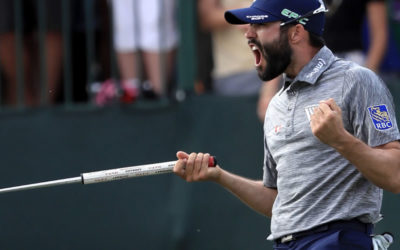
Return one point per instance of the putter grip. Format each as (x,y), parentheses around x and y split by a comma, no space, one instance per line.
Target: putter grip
(212,161)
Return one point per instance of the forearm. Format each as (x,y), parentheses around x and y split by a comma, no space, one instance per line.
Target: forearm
(214,20)
(195,167)
(378,165)
(268,90)
(252,193)
(378,34)
(211,15)
(376,52)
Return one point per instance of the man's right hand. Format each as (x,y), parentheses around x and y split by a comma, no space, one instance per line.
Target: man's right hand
(194,167)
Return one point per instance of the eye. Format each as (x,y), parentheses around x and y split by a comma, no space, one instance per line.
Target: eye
(257,25)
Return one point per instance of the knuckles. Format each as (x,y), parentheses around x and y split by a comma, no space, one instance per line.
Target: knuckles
(330,116)
(199,158)
(193,169)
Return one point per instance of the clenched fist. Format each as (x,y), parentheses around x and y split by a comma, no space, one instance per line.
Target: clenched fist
(327,124)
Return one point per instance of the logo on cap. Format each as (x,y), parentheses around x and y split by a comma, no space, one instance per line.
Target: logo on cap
(257,17)
(380,117)
(291,14)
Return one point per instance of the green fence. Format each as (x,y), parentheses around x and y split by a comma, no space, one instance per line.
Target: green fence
(155,212)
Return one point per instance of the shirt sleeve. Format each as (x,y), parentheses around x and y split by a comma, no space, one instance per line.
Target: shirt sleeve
(371,111)
(269,168)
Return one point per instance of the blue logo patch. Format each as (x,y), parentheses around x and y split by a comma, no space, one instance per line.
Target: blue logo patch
(380,117)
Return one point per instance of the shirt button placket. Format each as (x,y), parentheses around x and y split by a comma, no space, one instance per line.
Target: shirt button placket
(292,97)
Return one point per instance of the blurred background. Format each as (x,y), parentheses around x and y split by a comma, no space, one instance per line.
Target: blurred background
(88,85)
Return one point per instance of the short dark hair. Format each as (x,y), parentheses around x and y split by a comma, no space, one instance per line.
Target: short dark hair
(316,40)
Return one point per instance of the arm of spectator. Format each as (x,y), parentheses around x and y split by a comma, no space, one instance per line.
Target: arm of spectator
(211,14)
(268,90)
(377,21)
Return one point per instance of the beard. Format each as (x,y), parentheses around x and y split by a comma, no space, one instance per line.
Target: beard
(278,56)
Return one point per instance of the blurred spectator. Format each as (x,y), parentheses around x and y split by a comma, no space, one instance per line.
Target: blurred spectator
(394,13)
(268,90)
(145,28)
(90,43)
(233,73)
(343,30)
(390,67)
(205,61)
(53,47)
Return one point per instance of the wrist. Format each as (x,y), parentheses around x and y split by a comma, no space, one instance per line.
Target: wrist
(345,142)
(217,175)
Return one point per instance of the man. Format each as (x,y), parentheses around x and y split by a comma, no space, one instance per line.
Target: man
(330,135)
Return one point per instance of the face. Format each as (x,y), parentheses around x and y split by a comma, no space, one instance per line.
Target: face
(271,49)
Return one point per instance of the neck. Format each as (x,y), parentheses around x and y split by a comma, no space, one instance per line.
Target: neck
(300,58)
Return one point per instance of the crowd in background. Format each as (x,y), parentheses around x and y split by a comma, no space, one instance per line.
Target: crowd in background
(135,46)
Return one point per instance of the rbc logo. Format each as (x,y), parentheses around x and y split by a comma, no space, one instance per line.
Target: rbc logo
(380,117)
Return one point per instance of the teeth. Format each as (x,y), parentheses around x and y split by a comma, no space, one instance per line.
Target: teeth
(254,48)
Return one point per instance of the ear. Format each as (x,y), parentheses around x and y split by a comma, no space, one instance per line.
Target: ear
(297,33)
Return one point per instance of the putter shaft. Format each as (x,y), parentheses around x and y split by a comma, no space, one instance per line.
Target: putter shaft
(108,175)
(43,184)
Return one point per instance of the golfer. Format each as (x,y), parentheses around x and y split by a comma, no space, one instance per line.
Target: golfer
(331,139)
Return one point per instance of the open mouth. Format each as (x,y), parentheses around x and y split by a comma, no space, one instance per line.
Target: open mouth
(257,54)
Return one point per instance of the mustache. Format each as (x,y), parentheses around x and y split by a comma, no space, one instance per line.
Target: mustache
(254,41)
(257,43)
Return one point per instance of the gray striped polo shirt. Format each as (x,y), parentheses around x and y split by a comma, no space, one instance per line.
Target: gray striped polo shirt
(315,183)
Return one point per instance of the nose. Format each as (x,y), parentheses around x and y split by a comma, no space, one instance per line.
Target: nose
(250,32)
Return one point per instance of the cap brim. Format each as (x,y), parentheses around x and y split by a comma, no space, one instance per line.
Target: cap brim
(248,15)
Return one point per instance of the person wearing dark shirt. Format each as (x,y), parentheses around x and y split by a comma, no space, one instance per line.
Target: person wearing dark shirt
(343,30)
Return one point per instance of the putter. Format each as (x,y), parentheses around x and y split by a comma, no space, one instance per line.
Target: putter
(108,175)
